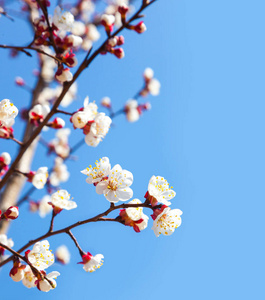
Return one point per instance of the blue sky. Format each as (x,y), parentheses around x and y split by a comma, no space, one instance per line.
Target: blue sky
(205,134)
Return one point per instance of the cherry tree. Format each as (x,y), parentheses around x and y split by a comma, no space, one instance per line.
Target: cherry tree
(61,35)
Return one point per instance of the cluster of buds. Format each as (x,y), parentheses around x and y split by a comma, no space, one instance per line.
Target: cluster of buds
(152,85)
(8,112)
(95,125)
(111,46)
(34,274)
(139,28)
(134,110)
(10,214)
(5,160)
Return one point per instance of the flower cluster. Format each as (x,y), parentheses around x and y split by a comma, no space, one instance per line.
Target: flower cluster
(34,274)
(112,183)
(95,125)
(8,112)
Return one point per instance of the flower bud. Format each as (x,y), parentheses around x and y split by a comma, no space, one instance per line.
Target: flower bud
(108,22)
(140,27)
(19,81)
(106,102)
(63,75)
(17,272)
(5,159)
(118,52)
(11,213)
(58,123)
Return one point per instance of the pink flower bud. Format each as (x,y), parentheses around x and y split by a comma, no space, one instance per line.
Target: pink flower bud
(123,9)
(19,81)
(58,123)
(11,213)
(118,52)
(120,40)
(140,27)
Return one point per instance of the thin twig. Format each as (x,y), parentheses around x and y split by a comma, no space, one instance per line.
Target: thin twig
(97,218)
(76,243)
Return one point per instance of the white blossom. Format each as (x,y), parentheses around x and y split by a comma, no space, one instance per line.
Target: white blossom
(89,112)
(5,241)
(63,20)
(29,279)
(158,188)
(78,28)
(5,158)
(64,75)
(116,187)
(75,40)
(134,213)
(60,143)
(62,254)
(8,112)
(59,173)
(18,275)
(132,113)
(167,221)
(98,129)
(40,256)
(61,199)
(40,178)
(108,19)
(44,206)
(95,262)
(39,112)
(148,73)
(99,172)
(44,285)
(153,87)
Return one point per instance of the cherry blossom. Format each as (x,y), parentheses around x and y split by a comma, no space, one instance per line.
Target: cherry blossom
(44,207)
(40,256)
(38,113)
(60,143)
(85,114)
(5,241)
(44,285)
(116,187)
(59,173)
(40,178)
(134,216)
(91,263)
(99,172)
(62,254)
(63,20)
(166,221)
(98,129)
(29,279)
(159,191)
(60,200)
(8,112)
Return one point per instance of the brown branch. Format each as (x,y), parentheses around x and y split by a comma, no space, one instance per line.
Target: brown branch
(45,12)
(76,243)
(52,220)
(64,112)
(22,49)
(17,141)
(98,218)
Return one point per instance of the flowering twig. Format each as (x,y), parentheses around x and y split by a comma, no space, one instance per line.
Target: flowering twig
(97,218)
(45,12)
(34,270)
(64,112)
(86,62)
